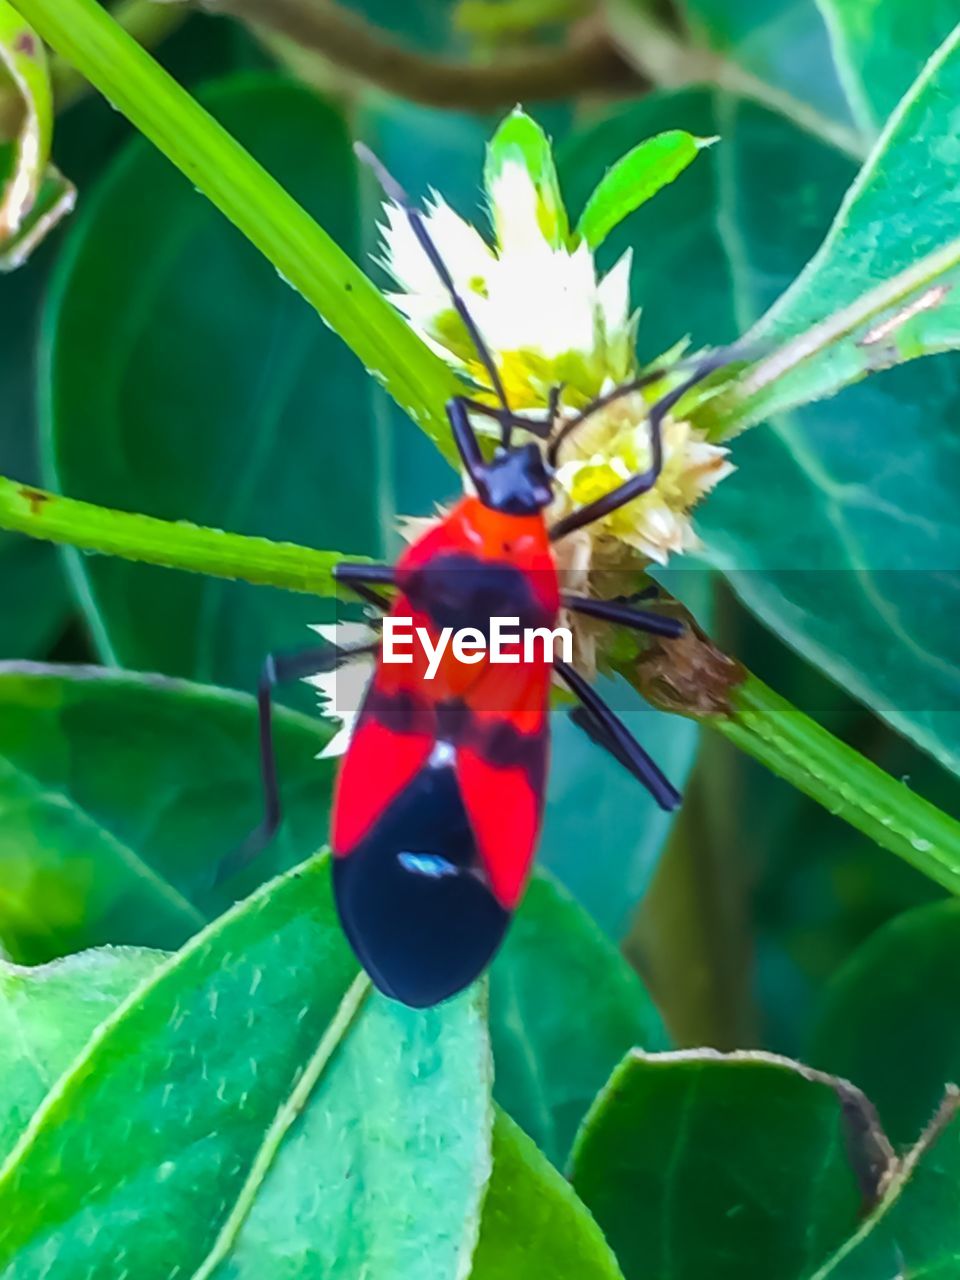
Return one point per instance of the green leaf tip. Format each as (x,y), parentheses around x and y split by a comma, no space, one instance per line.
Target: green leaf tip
(520,141)
(637,176)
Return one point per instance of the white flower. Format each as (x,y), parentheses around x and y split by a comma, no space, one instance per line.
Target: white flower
(542,309)
(657,523)
(341,691)
(550,319)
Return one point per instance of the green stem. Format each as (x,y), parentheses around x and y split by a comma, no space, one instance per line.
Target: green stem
(145,20)
(760,722)
(172,544)
(792,745)
(301,251)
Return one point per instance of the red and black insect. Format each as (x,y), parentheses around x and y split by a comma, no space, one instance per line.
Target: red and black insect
(440,795)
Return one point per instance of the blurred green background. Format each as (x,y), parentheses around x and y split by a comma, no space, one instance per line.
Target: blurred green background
(151,360)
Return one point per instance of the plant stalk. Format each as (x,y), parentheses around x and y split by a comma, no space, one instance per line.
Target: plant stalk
(754,718)
(759,721)
(589,64)
(171,544)
(796,748)
(218,166)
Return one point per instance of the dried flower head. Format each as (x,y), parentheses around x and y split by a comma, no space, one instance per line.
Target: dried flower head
(550,320)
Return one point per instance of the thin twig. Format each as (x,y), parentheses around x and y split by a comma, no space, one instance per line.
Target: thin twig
(589,64)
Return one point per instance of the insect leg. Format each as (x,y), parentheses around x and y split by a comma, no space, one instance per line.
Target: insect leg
(621,614)
(278,669)
(610,732)
(582,718)
(645,593)
(644,480)
(358,576)
(361,577)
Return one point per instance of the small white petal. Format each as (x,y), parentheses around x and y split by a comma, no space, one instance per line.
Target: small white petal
(514,203)
(422,297)
(344,633)
(465,253)
(613,297)
(403,254)
(690,540)
(338,743)
(660,523)
(341,691)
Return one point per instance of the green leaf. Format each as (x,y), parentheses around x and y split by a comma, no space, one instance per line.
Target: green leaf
(783,42)
(35,599)
(880,290)
(533,1223)
(184,379)
(231,1131)
(564,1009)
(776,52)
(891,1018)
(698,1164)
(631,181)
(880,49)
(120,795)
(255,202)
(913,1231)
(520,141)
(47,1015)
(588,792)
(818,889)
(839,549)
(384,1171)
(310,1204)
(33,195)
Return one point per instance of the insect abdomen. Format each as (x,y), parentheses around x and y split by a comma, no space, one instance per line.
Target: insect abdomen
(412,898)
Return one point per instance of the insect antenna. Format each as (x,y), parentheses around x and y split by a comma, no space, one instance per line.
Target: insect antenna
(643,481)
(601,402)
(398,195)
